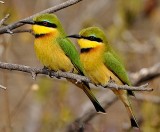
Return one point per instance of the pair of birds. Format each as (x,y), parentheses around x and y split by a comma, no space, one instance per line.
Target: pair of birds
(97,60)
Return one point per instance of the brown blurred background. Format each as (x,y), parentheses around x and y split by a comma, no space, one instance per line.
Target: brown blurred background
(49,105)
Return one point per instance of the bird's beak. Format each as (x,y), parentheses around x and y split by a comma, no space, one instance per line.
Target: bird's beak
(27,22)
(75,36)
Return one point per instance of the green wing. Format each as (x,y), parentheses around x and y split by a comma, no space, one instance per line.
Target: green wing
(114,64)
(71,52)
(116,67)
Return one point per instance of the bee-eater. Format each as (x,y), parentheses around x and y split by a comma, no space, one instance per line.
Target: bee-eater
(101,64)
(56,52)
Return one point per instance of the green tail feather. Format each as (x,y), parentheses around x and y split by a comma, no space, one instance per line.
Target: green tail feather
(85,87)
(132,117)
(94,101)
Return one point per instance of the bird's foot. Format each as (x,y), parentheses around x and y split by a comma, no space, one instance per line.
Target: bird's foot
(48,71)
(72,70)
(111,80)
(45,68)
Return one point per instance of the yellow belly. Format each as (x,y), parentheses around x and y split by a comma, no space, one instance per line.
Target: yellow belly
(95,68)
(51,55)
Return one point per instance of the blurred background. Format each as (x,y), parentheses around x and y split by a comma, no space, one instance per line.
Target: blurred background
(49,105)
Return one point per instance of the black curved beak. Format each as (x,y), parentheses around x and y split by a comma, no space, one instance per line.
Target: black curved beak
(27,22)
(75,36)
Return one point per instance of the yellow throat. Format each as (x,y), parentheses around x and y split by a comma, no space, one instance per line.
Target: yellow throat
(37,29)
(84,43)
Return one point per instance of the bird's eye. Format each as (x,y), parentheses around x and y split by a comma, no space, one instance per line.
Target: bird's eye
(92,38)
(45,23)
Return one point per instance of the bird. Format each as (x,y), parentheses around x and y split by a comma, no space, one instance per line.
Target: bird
(56,52)
(102,64)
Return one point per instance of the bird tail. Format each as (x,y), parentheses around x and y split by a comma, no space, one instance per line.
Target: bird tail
(132,117)
(94,101)
(85,87)
(122,94)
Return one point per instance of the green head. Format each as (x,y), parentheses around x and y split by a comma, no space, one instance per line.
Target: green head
(90,37)
(46,24)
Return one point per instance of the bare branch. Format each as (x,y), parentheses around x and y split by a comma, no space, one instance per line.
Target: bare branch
(126,87)
(3,20)
(145,74)
(3,87)
(68,75)
(152,72)
(22,31)
(9,28)
(90,113)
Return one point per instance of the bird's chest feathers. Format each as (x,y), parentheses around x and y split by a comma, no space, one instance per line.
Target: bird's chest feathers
(94,66)
(51,55)
(91,58)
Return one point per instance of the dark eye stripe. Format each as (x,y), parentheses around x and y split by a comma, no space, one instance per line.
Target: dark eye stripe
(92,38)
(46,24)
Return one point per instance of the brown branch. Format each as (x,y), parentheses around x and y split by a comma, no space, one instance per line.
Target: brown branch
(68,75)
(9,28)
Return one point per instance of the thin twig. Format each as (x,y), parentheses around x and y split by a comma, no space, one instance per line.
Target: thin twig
(3,87)
(3,20)
(68,75)
(146,74)
(22,31)
(126,87)
(9,28)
